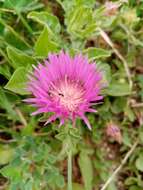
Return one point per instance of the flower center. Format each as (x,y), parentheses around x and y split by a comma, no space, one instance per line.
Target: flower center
(69,93)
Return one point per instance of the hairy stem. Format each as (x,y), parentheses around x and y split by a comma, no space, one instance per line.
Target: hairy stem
(120,166)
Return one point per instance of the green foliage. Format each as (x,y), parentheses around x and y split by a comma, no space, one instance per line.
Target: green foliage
(44,44)
(18,58)
(22,5)
(46,19)
(33,162)
(97,53)
(86,168)
(17,82)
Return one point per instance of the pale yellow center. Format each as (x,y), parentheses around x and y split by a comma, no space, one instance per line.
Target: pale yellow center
(69,94)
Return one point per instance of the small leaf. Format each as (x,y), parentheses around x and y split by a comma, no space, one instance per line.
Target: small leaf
(11,37)
(18,58)
(86,170)
(22,5)
(126,139)
(46,19)
(80,22)
(97,53)
(134,187)
(118,89)
(60,181)
(106,70)
(17,82)
(6,154)
(44,44)
(7,105)
(13,173)
(139,163)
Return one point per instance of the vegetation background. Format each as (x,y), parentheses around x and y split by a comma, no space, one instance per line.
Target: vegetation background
(33,157)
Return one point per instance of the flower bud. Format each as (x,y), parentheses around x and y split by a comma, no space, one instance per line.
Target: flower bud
(114,131)
(111,8)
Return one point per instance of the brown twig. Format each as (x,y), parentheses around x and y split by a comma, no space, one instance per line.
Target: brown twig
(110,43)
(121,165)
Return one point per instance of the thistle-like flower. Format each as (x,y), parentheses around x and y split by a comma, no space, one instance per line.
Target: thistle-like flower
(65,86)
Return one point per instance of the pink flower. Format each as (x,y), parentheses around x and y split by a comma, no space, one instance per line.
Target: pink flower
(66,86)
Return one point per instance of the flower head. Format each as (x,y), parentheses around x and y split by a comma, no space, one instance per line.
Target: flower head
(66,86)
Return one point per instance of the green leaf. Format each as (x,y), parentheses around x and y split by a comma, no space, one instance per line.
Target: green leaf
(75,186)
(139,163)
(6,104)
(5,70)
(127,139)
(44,44)
(6,154)
(80,22)
(28,185)
(86,169)
(119,104)
(22,5)
(118,89)
(134,187)
(112,186)
(18,58)
(106,70)
(46,19)
(129,112)
(17,82)
(13,173)
(9,36)
(60,181)
(97,53)
(131,181)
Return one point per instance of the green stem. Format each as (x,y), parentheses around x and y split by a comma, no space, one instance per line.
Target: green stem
(70,170)
(25,23)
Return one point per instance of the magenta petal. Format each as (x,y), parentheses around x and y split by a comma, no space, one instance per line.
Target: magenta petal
(61,122)
(52,118)
(86,122)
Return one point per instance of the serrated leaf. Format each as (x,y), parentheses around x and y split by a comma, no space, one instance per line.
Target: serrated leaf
(46,19)
(44,44)
(86,170)
(97,53)
(18,58)
(17,82)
